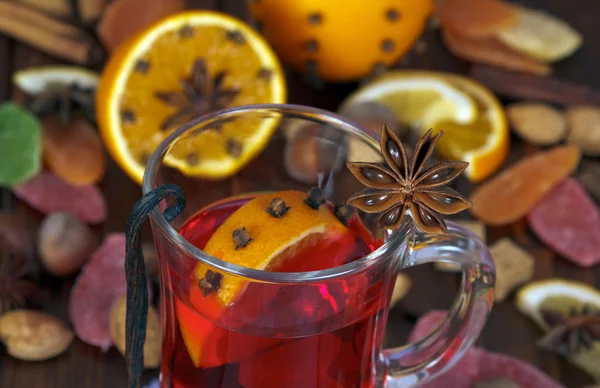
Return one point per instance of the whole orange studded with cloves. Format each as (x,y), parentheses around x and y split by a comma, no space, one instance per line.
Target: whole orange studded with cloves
(341,40)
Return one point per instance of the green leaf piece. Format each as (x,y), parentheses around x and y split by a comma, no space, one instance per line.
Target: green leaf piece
(20,145)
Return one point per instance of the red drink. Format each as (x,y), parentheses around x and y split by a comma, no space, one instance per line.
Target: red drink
(324,335)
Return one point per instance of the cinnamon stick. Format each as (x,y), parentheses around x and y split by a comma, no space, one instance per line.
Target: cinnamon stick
(527,87)
(58,8)
(47,34)
(91,10)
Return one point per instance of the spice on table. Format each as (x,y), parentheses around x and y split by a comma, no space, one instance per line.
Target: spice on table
(58,8)
(400,185)
(526,87)
(17,290)
(48,35)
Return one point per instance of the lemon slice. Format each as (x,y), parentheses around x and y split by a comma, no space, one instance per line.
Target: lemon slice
(483,143)
(418,98)
(558,294)
(35,80)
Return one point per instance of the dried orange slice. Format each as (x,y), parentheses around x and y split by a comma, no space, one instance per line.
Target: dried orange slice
(475,18)
(273,240)
(181,67)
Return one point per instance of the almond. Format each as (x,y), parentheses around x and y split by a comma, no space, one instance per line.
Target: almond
(34,336)
(152,345)
(537,123)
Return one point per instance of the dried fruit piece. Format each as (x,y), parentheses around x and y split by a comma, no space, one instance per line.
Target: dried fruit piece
(567,220)
(401,288)
(74,151)
(540,35)
(101,282)
(475,18)
(152,343)
(124,18)
(478,228)
(492,52)
(537,123)
(514,267)
(507,197)
(65,243)
(20,145)
(48,193)
(584,128)
(33,336)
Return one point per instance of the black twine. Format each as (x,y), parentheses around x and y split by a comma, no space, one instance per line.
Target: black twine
(135,272)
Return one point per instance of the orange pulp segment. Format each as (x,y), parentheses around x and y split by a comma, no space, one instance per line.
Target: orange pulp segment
(187,65)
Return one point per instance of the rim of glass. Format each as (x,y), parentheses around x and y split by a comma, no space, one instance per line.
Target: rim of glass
(191,250)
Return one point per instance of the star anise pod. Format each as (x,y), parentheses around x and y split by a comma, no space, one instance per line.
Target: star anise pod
(571,334)
(199,95)
(399,185)
(63,99)
(16,290)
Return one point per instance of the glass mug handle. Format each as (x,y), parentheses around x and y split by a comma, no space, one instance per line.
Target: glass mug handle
(419,362)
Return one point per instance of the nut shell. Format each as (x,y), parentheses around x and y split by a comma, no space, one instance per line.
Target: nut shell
(152,345)
(34,336)
(537,123)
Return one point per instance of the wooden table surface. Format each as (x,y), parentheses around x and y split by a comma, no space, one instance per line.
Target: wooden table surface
(507,330)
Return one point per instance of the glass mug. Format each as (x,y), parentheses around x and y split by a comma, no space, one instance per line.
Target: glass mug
(311,328)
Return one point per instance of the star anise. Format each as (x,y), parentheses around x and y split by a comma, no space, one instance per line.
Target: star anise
(16,290)
(199,95)
(63,99)
(399,185)
(570,334)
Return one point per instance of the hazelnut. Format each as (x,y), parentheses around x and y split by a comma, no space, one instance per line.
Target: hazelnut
(65,243)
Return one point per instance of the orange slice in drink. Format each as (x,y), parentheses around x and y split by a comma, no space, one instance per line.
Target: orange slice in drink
(269,244)
(184,66)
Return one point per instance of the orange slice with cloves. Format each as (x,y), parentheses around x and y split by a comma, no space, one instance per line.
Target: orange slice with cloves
(270,232)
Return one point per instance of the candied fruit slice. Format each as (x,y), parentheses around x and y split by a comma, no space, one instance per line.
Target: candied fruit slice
(74,152)
(568,221)
(508,197)
(492,52)
(476,18)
